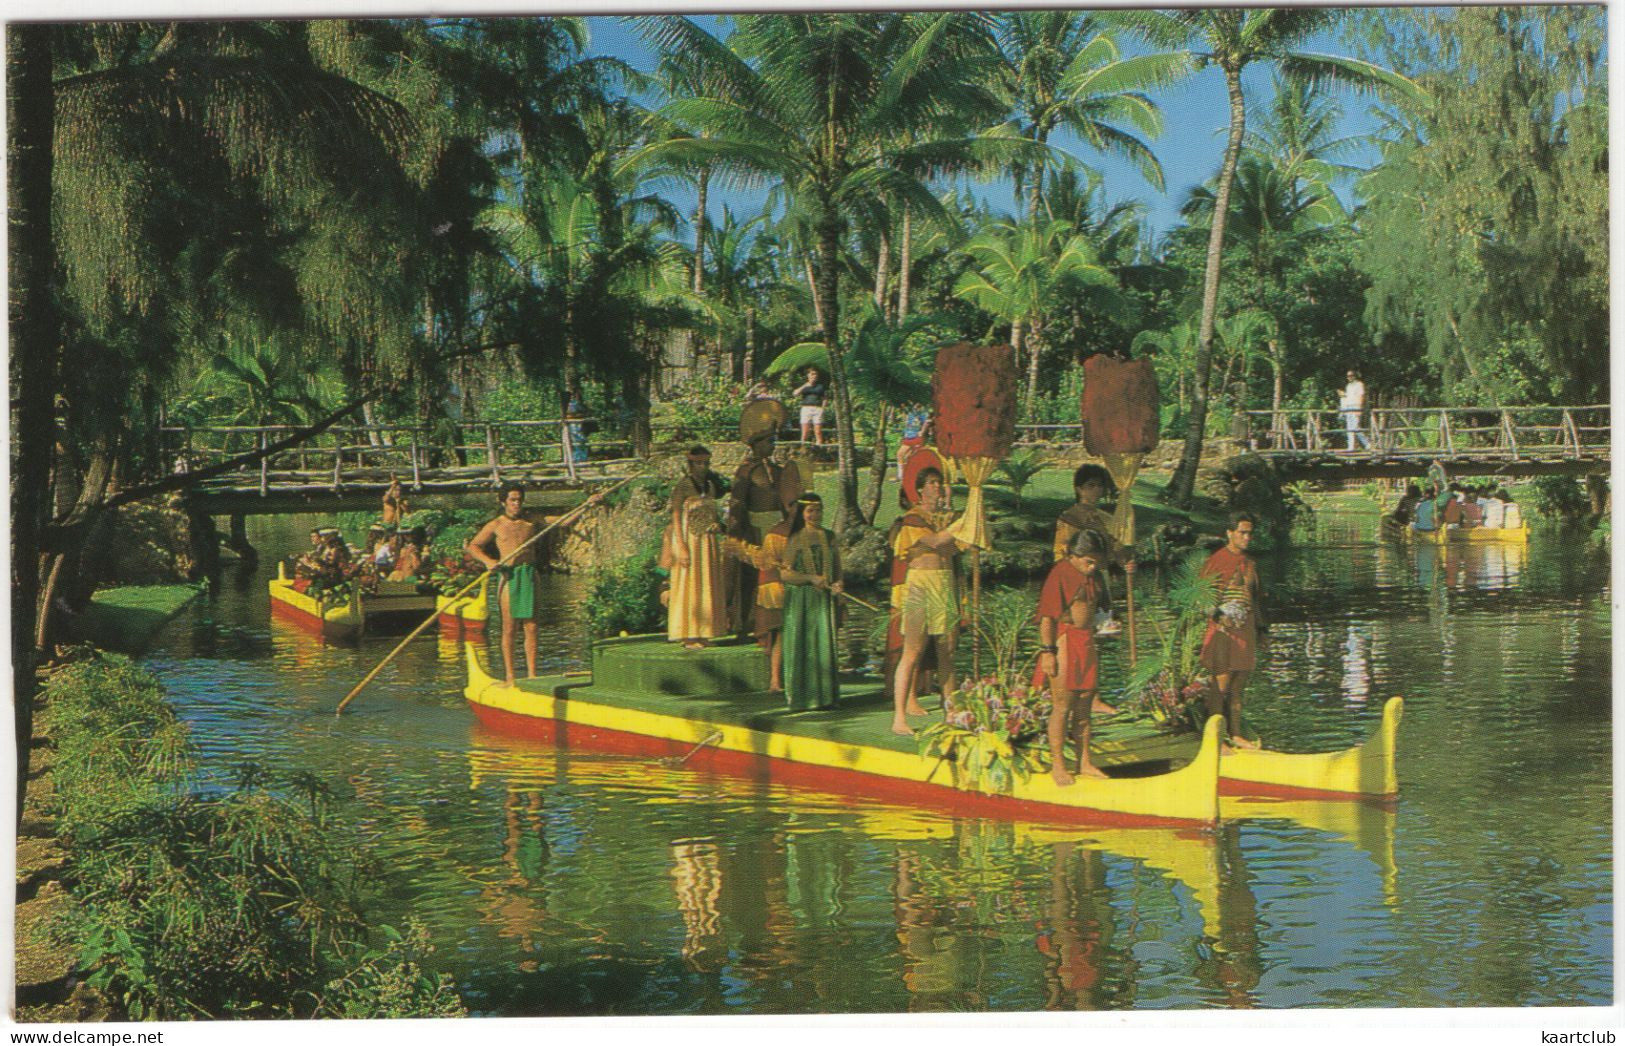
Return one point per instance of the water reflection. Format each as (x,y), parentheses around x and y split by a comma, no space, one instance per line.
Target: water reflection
(558,881)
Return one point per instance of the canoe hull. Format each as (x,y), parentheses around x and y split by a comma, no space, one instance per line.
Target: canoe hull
(1188,796)
(466,615)
(1469,536)
(1363,772)
(341,621)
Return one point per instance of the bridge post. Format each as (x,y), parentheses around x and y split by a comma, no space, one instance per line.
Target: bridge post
(1510,433)
(417,475)
(265,467)
(491,454)
(238,541)
(205,542)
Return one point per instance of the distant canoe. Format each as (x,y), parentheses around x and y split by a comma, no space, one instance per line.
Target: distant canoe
(396,606)
(1454,535)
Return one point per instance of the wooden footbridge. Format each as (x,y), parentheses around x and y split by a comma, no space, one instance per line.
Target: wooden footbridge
(347,468)
(1392,443)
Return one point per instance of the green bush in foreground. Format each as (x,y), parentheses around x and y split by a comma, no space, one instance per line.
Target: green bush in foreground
(223,901)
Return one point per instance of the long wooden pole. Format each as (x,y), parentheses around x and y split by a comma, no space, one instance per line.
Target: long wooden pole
(470,586)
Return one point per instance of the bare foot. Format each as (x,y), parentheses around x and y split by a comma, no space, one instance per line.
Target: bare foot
(510,684)
(1062,776)
(914,708)
(1102,708)
(1244,743)
(694,644)
(902,729)
(1091,770)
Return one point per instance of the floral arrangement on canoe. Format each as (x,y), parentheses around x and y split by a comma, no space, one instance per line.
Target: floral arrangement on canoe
(994,727)
(993,731)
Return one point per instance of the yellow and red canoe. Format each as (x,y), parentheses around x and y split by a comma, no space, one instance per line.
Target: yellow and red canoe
(467,614)
(1467,535)
(652,698)
(395,606)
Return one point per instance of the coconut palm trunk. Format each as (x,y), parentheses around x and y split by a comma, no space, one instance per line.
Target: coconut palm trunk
(1183,483)
(35,338)
(905,261)
(829,248)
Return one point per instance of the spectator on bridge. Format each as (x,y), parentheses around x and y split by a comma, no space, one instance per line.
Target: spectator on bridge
(1437,478)
(916,431)
(1352,404)
(574,410)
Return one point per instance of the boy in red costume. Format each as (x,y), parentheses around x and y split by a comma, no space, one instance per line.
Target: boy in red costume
(1074,591)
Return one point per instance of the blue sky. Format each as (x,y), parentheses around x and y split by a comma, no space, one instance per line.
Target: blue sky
(1195,117)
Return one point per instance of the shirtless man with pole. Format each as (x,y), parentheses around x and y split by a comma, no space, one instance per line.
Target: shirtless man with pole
(517,592)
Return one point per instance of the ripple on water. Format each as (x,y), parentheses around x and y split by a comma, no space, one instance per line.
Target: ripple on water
(574,882)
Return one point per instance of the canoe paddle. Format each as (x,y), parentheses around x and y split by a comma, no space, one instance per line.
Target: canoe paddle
(597,496)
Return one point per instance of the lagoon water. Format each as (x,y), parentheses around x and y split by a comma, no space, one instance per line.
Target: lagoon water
(558,882)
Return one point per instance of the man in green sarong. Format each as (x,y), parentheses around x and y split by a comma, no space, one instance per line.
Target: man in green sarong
(507,536)
(812,580)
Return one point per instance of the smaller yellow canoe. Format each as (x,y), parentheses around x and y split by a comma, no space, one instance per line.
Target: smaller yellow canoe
(469,611)
(336,620)
(1469,535)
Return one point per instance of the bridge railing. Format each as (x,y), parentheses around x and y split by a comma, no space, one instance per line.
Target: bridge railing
(423,458)
(1534,432)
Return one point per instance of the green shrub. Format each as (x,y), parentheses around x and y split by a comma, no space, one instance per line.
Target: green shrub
(198,899)
(1559,497)
(625,596)
(704,407)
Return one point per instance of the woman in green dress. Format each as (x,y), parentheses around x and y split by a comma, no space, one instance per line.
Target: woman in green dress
(811,584)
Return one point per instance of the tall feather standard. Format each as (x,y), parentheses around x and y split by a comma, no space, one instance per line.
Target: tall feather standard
(974,392)
(974,395)
(1121,411)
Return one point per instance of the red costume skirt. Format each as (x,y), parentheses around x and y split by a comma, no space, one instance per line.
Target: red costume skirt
(1230,650)
(1076,660)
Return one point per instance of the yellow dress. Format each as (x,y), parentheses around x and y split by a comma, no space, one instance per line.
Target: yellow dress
(696,608)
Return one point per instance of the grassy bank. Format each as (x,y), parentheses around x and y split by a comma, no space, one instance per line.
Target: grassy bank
(127,618)
(175,901)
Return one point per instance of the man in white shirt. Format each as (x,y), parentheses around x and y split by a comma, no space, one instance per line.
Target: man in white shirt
(1351,404)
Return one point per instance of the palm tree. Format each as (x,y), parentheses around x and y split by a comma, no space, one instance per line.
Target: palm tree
(817,103)
(1063,69)
(1024,271)
(1233,38)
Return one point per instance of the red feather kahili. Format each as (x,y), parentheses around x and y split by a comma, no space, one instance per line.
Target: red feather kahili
(974,393)
(1121,406)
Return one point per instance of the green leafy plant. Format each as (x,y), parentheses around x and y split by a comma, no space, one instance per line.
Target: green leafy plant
(202,899)
(1559,497)
(1168,680)
(1019,469)
(625,596)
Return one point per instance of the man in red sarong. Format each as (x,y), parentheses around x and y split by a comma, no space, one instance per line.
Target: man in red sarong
(1230,648)
(1068,662)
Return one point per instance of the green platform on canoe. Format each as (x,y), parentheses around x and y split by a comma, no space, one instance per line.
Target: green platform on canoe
(727,683)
